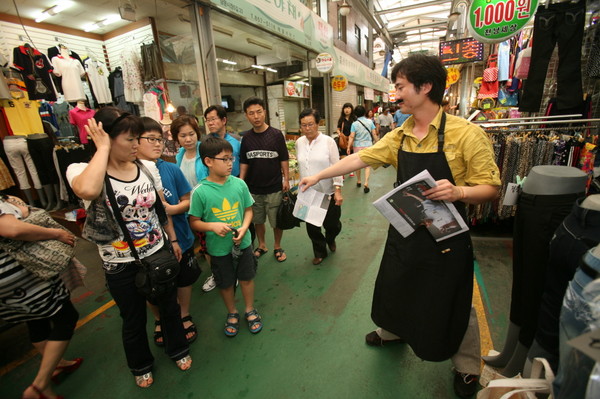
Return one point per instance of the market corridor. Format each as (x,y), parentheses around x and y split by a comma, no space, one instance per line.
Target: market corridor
(312,345)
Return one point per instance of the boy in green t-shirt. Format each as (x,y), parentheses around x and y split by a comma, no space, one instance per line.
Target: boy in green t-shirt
(222,207)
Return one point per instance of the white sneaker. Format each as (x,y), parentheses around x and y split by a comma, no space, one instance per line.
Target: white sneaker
(209,284)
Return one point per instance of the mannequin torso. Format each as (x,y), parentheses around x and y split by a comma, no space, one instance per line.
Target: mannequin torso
(554,180)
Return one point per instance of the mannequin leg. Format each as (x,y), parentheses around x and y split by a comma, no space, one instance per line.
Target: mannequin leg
(517,362)
(50,197)
(42,197)
(512,338)
(29,194)
(60,204)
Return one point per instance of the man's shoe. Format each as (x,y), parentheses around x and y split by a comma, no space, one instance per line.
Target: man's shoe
(317,261)
(373,339)
(209,284)
(332,246)
(465,385)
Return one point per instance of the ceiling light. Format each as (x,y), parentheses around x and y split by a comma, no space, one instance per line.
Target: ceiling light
(259,44)
(127,12)
(228,62)
(258,66)
(100,24)
(344,9)
(222,30)
(272,70)
(53,10)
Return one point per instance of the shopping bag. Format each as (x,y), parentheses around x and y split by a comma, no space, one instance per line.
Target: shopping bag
(522,388)
(522,64)
(285,213)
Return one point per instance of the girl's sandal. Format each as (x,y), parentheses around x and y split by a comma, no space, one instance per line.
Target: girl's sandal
(144,381)
(233,326)
(185,363)
(255,325)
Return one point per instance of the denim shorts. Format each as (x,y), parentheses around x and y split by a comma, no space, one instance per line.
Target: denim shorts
(225,273)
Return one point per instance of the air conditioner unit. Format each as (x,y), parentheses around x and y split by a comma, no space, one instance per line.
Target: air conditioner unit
(127,12)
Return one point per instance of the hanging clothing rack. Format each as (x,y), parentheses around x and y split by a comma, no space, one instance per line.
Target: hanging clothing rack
(527,118)
(542,129)
(551,122)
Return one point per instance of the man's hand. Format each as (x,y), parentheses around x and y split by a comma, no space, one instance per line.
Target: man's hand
(307,182)
(286,185)
(445,191)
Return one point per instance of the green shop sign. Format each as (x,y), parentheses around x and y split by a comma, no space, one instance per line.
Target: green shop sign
(288,18)
(494,21)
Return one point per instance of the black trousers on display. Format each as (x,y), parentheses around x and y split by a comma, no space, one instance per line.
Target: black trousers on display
(41,150)
(537,217)
(561,24)
(579,232)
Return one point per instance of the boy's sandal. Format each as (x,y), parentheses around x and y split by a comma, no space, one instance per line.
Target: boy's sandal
(158,335)
(185,363)
(234,326)
(190,330)
(144,381)
(279,254)
(255,325)
(258,252)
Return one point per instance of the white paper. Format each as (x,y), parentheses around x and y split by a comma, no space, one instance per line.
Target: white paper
(406,209)
(311,206)
(512,194)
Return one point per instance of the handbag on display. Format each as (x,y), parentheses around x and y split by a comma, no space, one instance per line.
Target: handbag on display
(285,213)
(489,85)
(44,258)
(158,272)
(508,98)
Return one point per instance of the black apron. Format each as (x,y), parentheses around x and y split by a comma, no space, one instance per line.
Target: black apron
(421,294)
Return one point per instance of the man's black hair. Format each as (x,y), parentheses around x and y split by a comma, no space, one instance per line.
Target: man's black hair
(150,125)
(254,101)
(212,146)
(221,112)
(308,112)
(360,111)
(420,69)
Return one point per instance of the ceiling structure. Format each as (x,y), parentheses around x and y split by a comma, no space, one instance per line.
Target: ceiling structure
(413,25)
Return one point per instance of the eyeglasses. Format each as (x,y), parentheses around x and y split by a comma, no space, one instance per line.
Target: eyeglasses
(153,140)
(307,125)
(226,159)
(211,120)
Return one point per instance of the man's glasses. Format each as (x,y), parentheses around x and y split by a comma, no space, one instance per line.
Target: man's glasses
(307,126)
(211,120)
(153,140)
(226,159)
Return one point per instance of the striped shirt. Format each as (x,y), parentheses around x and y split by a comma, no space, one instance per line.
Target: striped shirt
(24,296)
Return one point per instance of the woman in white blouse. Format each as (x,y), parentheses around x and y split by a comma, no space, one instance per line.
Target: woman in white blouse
(315,152)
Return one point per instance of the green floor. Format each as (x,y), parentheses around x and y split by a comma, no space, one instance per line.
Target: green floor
(312,344)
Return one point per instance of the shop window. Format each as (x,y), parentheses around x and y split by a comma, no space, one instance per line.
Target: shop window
(341,28)
(357,36)
(366,45)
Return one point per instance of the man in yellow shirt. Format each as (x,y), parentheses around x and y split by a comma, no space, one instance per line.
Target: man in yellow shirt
(424,288)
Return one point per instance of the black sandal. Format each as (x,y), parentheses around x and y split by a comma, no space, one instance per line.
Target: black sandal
(254,322)
(158,334)
(190,330)
(235,326)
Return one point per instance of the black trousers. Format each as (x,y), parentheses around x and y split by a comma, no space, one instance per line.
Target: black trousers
(41,150)
(332,226)
(579,232)
(132,307)
(537,217)
(561,24)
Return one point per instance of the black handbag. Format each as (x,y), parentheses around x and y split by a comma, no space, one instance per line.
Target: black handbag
(157,274)
(285,213)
